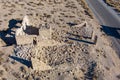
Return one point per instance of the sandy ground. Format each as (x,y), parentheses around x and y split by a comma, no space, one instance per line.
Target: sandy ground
(114,3)
(73,60)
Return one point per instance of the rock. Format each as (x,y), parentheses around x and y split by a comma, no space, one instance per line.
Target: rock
(39,65)
(88,32)
(25,22)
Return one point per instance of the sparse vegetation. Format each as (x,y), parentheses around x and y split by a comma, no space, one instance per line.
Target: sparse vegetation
(29,78)
(114,3)
(1,59)
(23,69)
(85,6)
(4,79)
(17,75)
(6,67)
(1,72)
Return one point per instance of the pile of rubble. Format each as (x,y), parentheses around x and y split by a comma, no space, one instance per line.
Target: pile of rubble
(24,52)
(49,47)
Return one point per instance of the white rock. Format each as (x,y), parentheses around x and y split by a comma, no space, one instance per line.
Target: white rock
(20,31)
(25,22)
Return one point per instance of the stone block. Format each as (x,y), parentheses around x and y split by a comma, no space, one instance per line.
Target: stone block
(26,39)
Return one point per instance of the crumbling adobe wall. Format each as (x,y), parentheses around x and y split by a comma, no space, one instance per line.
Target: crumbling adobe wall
(24,39)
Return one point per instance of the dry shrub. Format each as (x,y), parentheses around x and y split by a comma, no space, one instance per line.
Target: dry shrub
(4,79)
(6,67)
(1,59)
(29,78)
(1,73)
(17,75)
(85,6)
(23,69)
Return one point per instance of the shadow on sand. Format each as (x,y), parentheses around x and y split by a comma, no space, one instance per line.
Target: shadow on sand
(79,40)
(23,61)
(13,22)
(8,35)
(110,31)
(71,24)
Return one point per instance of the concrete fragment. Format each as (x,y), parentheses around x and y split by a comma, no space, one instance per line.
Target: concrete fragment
(25,22)
(83,30)
(88,32)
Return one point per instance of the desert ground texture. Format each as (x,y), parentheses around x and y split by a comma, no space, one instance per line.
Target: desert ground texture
(63,42)
(114,3)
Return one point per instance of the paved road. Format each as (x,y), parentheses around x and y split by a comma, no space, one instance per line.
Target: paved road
(109,21)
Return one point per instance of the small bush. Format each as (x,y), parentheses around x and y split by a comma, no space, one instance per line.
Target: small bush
(23,69)
(87,9)
(118,76)
(4,79)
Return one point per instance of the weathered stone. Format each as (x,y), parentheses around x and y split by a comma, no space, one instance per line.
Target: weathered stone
(20,31)
(25,23)
(39,65)
(88,32)
(22,40)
